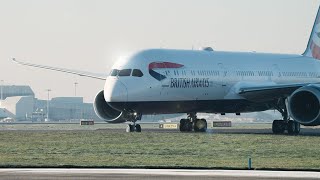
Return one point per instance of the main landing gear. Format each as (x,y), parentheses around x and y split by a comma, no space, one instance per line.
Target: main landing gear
(192,122)
(134,127)
(280,126)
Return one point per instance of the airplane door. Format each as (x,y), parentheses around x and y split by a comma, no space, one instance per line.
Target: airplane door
(276,72)
(223,76)
(165,83)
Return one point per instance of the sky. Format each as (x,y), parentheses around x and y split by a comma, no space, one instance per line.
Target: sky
(91,35)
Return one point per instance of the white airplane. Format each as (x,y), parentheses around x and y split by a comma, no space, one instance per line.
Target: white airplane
(162,81)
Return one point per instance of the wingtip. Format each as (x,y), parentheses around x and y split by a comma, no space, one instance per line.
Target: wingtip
(15,60)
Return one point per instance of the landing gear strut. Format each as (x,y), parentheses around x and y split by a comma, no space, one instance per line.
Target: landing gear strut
(198,125)
(134,117)
(280,126)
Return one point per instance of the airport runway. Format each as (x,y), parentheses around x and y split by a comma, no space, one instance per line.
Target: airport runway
(304,131)
(266,131)
(141,174)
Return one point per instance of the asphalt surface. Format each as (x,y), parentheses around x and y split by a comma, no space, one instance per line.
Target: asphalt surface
(141,174)
(304,131)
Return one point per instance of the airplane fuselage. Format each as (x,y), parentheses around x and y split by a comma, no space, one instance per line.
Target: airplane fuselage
(185,81)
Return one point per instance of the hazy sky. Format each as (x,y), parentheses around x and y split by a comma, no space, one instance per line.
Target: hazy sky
(91,34)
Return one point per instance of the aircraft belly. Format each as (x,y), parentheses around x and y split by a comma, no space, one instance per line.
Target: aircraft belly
(204,106)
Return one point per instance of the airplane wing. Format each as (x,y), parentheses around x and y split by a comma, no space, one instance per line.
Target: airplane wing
(269,92)
(69,71)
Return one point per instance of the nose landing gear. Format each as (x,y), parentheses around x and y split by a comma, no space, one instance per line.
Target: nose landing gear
(134,117)
(133,128)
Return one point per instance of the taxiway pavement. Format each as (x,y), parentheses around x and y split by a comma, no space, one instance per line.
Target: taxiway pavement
(304,131)
(159,174)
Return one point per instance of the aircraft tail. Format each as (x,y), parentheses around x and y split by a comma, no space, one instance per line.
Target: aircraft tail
(313,48)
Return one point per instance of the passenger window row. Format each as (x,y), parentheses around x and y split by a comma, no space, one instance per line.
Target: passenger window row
(126,72)
(208,73)
(245,73)
(299,74)
(265,73)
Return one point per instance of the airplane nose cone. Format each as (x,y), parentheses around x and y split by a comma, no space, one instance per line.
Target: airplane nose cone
(115,91)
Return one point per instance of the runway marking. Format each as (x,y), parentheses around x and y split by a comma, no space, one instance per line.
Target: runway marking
(170,172)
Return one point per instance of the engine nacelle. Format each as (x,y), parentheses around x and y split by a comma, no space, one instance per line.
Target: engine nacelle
(105,112)
(304,105)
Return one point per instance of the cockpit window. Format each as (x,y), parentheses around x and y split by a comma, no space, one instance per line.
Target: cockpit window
(114,72)
(137,73)
(125,72)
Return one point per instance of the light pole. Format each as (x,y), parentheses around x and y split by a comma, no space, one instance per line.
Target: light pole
(75,89)
(48,90)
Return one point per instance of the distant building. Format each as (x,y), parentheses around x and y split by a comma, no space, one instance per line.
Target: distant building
(17,102)
(70,108)
(20,104)
(4,113)
(21,107)
(12,91)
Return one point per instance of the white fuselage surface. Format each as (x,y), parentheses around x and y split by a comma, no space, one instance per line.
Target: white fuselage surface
(185,81)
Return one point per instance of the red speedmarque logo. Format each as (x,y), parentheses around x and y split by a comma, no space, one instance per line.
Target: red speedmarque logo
(162,65)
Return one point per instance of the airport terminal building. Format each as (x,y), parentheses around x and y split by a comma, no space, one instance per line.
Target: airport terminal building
(20,104)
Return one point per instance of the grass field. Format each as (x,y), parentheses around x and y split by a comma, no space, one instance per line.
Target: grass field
(102,148)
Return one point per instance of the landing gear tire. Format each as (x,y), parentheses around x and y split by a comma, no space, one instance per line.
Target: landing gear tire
(293,128)
(182,125)
(138,128)
(298,128)
(185,125)
(200,125)
(278,126)
(130,128)
(133,128)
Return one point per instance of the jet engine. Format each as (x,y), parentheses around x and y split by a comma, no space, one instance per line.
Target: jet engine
(304,105)
(105,112)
